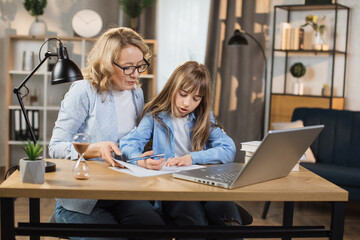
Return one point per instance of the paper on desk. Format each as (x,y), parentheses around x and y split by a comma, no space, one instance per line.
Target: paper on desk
(143,172)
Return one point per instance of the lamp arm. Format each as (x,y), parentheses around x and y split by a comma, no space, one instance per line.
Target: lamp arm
(259,45)
(265,75)
(17,92)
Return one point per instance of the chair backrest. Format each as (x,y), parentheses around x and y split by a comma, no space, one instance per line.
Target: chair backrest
(339,142)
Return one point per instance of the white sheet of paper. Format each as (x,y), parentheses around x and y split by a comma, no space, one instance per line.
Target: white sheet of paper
(143,172)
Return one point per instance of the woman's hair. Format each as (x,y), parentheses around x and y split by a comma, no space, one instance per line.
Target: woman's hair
(190,76)
(105,51)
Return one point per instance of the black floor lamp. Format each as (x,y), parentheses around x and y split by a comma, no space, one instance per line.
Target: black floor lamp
(239,39)
(64,71)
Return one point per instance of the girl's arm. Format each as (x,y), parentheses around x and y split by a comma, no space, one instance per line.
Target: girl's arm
(220,148)
(132,145)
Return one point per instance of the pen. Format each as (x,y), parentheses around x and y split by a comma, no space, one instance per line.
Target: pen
(146,157)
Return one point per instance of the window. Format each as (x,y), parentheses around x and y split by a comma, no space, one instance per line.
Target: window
(182,27)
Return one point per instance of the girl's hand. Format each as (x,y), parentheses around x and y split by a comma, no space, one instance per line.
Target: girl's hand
(104,150)
(154,164)
(185,160)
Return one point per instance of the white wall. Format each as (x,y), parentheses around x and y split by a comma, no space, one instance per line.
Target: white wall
(14,19)
(352,97)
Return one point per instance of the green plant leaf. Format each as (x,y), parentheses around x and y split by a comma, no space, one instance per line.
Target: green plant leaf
(33,150)
(134,8)
(35,7)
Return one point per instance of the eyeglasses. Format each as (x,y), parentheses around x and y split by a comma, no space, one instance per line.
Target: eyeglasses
(131,69)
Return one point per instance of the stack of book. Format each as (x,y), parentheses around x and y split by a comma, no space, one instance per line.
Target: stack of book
(292,38)
(250,147)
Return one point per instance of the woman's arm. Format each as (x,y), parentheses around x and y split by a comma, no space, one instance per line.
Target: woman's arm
(73,118)
(73,112)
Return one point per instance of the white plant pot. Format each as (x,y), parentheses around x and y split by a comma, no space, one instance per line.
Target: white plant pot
(37,29)
(32,171)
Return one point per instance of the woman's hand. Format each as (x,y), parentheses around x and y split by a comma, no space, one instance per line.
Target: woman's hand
(105,150)
(185,160)
(151,163)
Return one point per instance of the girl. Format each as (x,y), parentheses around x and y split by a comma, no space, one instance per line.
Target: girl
(181,125)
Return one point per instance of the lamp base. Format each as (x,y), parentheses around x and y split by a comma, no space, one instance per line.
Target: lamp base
(50,167)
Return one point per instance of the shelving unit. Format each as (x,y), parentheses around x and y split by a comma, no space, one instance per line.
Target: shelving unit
(49,96)
(282,101)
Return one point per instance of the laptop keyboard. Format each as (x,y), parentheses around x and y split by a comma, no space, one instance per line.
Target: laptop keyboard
(224,176)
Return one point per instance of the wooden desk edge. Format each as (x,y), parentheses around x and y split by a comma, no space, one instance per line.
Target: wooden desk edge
(164,187)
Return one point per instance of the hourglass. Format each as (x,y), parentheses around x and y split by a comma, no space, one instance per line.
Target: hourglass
(81,170)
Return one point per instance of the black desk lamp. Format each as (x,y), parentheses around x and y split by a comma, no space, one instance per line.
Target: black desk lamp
(64,71)
(239,39)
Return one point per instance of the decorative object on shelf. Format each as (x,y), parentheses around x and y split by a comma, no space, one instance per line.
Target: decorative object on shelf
(319,27)
(318,2)
(64,70)
(87,23)
(239,39)
(28,60)
(326,90)
(134,9)
(297,70)
(36,9)
(35,97)
(32,167)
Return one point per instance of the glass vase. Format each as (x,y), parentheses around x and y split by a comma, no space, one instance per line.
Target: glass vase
(319,43)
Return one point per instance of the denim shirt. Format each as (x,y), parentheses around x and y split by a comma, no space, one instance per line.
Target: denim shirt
(85,110)
(219,147)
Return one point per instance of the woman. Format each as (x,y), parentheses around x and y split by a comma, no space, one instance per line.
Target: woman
(96,106)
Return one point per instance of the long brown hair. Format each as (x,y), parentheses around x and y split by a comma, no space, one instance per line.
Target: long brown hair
(190,76)
(105,51)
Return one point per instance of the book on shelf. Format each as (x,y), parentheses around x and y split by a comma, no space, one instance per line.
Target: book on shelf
(301,38)
(18,129)
(292,38)
(285,29)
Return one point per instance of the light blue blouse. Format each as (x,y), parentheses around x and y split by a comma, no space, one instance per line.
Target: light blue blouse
(85,110)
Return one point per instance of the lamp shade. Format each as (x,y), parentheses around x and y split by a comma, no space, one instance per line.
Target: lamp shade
(238,39)
(65,70)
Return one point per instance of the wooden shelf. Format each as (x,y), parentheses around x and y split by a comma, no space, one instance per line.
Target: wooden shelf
(51,97)
(282,104)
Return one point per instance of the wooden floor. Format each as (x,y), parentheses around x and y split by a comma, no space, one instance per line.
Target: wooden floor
(314,213)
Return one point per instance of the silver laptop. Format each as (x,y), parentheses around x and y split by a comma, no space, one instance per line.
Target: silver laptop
(277,154)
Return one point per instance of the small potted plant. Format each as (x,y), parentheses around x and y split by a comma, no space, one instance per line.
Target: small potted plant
(297,70)
(134,9)
(36,9)
(32,167)
(326,90)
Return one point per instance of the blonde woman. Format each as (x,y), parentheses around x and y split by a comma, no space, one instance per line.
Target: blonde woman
(181,126)
(96,106)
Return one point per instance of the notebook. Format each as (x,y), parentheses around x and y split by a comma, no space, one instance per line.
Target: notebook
(277,154)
